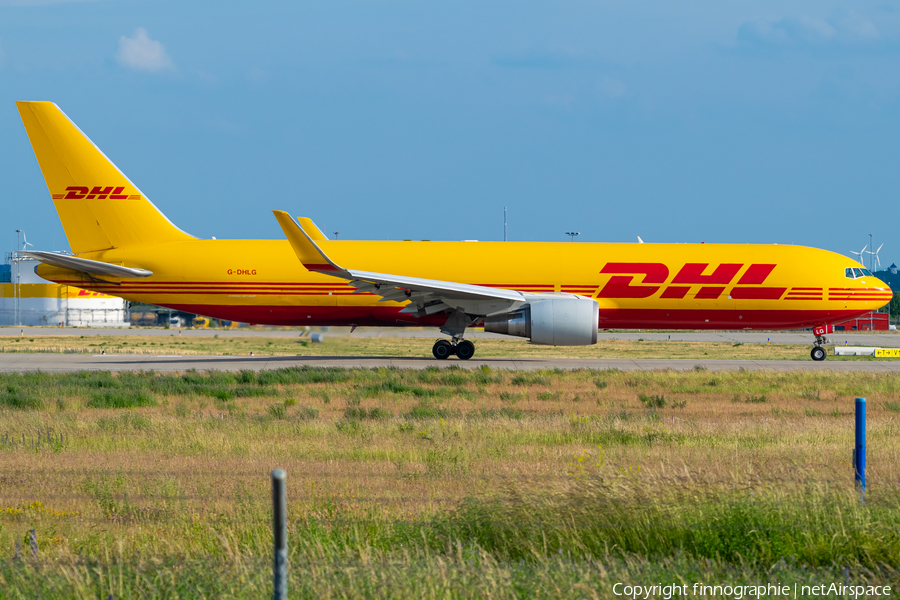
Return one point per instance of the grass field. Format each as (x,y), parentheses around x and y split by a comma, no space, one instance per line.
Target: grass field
(443,482)
(399,346)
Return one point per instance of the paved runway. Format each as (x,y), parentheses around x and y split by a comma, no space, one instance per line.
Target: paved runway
(882,339)
(73,362)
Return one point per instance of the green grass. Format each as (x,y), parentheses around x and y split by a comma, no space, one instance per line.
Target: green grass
(426,411)
(455,572)
(757,527)
(119,398)
(657,401)
(123,422)
(376,412)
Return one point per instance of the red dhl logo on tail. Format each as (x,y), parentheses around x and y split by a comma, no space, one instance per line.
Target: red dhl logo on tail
(76,192)
(713,284)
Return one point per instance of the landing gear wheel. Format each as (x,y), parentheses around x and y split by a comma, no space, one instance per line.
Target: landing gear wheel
(818,353)
(465,350)
(442,349)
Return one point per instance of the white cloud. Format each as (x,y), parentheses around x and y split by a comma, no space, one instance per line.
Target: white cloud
(842,27)
(857,26)
(140,52)
(41,2)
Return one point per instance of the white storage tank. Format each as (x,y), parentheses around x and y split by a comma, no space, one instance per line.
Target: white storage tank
(26,299)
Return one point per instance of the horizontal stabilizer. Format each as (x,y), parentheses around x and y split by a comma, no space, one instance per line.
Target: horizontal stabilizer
(93,267)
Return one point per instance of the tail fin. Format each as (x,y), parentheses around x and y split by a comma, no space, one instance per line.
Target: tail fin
(99,207)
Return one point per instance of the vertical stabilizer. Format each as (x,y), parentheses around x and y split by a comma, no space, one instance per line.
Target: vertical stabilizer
(99,207)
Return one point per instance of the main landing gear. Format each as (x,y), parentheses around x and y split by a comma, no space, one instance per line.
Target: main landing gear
(444,349)
(455,327)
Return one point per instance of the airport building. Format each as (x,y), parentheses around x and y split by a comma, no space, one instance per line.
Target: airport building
(875,321)
(26,299)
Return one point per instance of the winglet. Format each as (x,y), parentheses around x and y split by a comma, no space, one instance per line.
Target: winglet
(311,230)
(306,249)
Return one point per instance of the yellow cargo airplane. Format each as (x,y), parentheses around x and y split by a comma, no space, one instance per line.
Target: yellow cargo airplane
(550,293)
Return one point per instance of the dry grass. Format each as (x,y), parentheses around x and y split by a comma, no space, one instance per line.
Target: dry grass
(481,434)
(188,477)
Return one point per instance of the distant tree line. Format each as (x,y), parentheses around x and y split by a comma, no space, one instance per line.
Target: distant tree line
(894,307)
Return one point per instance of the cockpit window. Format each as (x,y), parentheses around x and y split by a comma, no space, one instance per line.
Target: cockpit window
(854,273)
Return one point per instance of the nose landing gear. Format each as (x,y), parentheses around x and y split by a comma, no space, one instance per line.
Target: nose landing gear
(818,352)
(444,349)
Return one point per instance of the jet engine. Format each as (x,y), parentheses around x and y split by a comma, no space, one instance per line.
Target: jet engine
(555,321)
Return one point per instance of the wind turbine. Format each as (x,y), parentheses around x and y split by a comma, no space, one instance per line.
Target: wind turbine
(26,243)
(859,254)
(875,254)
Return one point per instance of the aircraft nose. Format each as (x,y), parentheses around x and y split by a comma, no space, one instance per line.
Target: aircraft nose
(879,292)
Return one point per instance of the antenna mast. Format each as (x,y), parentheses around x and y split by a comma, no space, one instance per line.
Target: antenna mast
(871,259)
(504,223)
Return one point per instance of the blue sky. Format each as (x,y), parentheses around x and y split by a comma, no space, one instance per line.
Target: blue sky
(679,122)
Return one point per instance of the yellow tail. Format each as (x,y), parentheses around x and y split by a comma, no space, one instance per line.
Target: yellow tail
(99,207)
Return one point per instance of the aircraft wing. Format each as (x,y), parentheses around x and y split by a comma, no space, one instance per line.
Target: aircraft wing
(426,296)
(92,267)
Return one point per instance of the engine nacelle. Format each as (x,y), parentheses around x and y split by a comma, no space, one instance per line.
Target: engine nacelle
(556,321)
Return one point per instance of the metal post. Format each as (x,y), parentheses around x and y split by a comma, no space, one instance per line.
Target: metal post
(872,257)
(504,223)
(859,449)
(12,259)
(279,529)
(17,290)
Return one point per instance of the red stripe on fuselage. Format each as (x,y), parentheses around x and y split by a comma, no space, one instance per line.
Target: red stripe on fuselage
(757,293)
(609,318)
